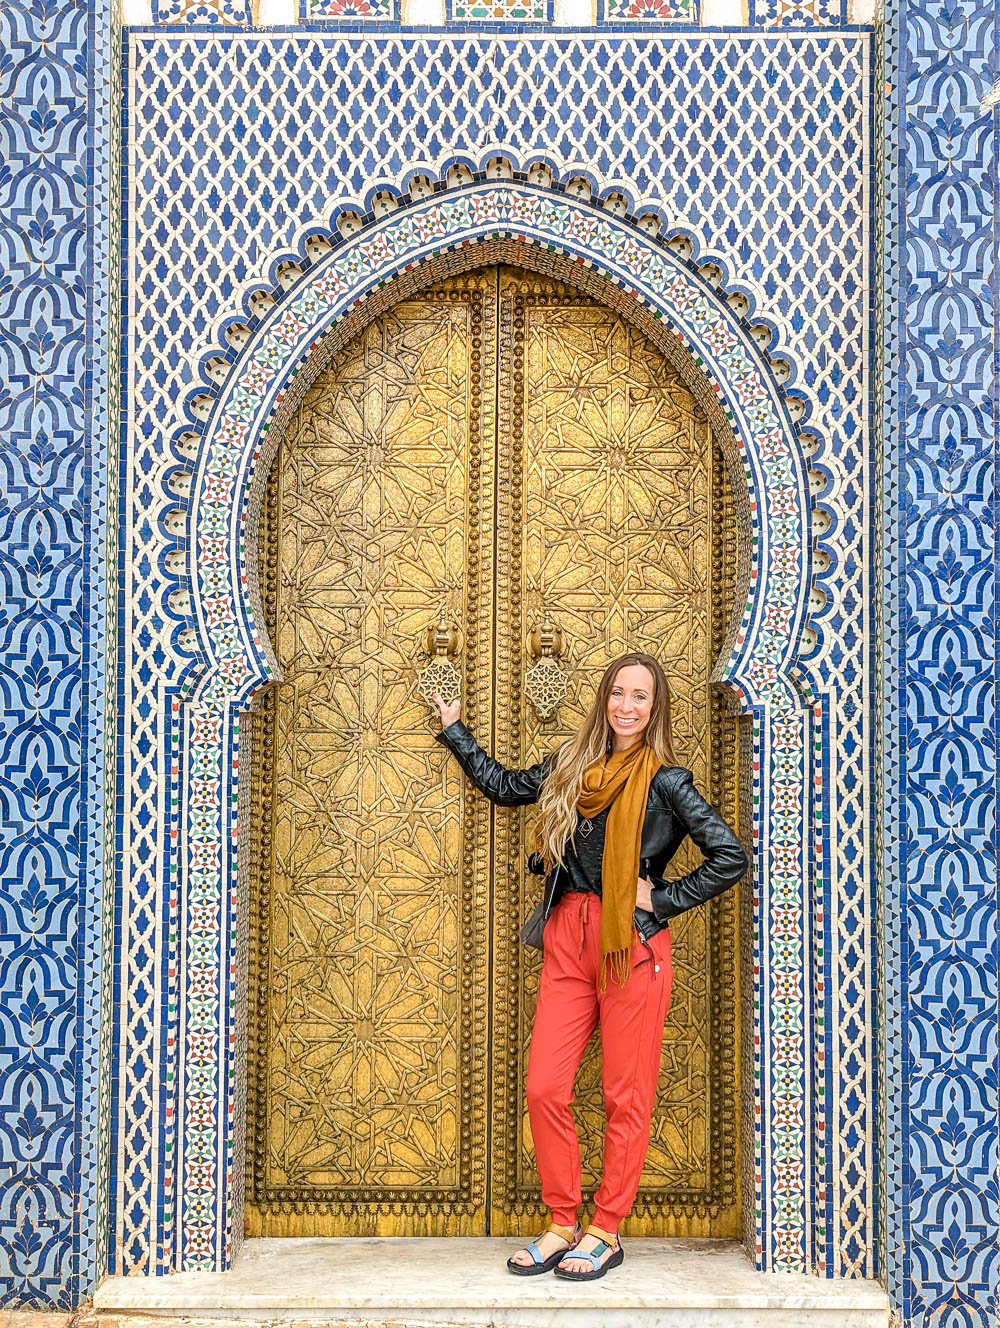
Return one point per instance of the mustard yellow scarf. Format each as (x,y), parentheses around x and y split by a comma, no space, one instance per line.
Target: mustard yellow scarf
(621,779)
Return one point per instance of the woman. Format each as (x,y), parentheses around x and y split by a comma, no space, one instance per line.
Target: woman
(614,807)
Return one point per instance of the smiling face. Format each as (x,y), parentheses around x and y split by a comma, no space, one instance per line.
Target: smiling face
(629,704)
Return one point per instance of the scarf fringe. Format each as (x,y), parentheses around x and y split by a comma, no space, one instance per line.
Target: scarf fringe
(619,964)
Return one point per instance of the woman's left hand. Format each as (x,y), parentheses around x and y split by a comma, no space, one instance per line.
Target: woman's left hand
(643,898)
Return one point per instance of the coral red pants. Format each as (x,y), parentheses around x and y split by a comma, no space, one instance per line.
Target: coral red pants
(631,1018)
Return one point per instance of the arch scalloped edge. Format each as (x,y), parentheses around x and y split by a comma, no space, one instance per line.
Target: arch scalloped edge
(235,332)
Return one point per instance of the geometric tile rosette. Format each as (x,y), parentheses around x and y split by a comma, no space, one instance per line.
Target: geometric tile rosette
(505,11)
(676,11)
(204,221)
(311,11)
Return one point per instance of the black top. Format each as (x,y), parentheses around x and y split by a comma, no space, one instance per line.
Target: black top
(584,853)
(674,810)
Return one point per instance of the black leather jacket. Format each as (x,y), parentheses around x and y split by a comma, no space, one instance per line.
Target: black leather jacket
(675,809)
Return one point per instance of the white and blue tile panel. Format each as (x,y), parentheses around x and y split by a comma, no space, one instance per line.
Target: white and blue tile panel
(245,144)
(939,952)
(58,171)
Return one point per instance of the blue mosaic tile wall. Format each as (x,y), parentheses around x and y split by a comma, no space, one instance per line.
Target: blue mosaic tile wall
(57,98)
(940,413)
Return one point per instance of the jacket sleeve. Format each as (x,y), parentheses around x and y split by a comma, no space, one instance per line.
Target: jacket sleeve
(725,858)
(507,788)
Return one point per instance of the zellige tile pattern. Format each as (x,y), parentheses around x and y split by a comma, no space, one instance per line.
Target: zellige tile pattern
(940,413)
(58,173)
(782,211)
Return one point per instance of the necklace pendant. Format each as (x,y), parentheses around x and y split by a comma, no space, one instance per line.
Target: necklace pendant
(586,825)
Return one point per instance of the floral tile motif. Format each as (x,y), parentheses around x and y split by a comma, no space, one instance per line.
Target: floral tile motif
(940,414)
(312,11)
(652,11)
(798,13)
(59,98)
(231,13)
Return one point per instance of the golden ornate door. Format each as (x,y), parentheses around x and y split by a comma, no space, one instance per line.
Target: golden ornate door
(497,447)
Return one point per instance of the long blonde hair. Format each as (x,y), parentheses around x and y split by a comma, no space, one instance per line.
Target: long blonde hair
(564,782)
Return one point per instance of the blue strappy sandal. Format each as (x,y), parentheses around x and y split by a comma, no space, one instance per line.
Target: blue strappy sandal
(544,1265)
(606,1241)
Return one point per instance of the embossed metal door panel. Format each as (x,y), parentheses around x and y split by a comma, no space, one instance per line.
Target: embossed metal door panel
(616,514)
(494,447)
(369,1064)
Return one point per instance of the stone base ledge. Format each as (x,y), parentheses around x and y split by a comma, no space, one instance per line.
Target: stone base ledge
(47,1318)
(460,1283)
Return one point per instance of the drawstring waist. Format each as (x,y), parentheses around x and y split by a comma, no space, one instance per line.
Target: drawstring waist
(583,915)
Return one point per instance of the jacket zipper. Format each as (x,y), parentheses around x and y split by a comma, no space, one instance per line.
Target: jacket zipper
(552,894)
(652,957)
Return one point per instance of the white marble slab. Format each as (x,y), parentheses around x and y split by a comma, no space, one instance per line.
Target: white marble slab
(674,1283)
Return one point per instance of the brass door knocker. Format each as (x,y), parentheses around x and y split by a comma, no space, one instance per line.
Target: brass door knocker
(545,683)
(439,674)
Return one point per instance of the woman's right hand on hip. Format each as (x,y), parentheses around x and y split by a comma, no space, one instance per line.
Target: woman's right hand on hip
(449,712)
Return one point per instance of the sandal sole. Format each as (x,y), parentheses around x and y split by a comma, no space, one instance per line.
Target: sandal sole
(615,1260)
(535,1269)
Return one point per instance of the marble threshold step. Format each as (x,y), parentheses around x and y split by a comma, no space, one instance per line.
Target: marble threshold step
(459,1283)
